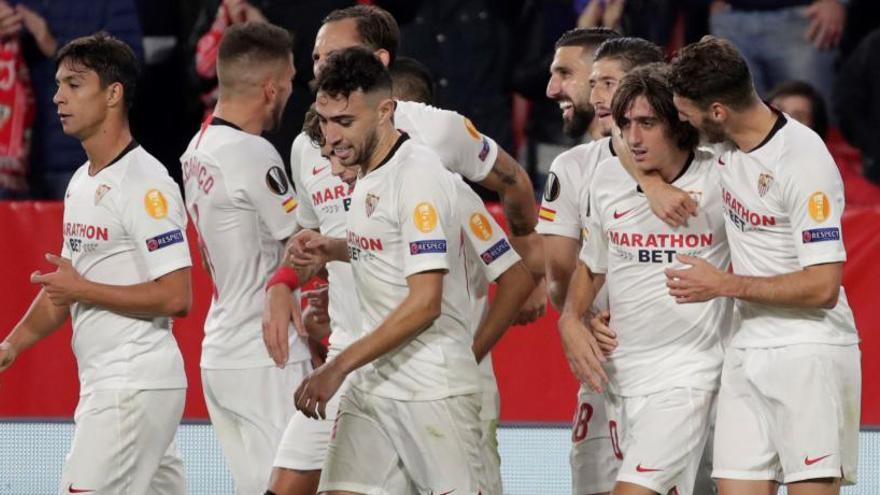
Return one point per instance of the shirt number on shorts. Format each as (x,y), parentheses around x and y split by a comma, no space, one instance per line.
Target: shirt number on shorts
(581,422)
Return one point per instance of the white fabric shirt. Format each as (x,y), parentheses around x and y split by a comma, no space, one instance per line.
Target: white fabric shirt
(243,208)
(403,221)
(124,226)
(783,203)
(566,200)
(662,344)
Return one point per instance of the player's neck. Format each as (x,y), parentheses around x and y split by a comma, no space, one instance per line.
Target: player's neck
(106,144)
(241,114)
(387,139)
(673,164)
(751,127)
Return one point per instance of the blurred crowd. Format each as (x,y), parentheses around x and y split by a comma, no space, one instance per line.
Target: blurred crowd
(489,60)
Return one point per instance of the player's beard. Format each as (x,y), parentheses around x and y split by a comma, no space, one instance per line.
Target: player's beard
(713,131)
(367,149)
(581,117)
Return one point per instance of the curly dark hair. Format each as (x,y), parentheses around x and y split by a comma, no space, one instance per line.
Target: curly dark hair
(352,69)
(712,70)
(652,82)
(376,26)
(312,126)
(630,52)
(110,58)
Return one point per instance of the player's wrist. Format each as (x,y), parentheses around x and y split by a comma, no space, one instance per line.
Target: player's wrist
(284,276)
(730,286)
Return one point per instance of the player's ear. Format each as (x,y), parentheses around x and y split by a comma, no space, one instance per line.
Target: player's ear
(115,94)
(386,109)
(718,111)
(383,55)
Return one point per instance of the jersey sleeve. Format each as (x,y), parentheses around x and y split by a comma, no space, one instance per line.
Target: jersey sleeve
(594,248)
(812,195)
(484,234)
(266,189)
(461,147)
(305,210)
(154,217)
(560,212)
(427,219)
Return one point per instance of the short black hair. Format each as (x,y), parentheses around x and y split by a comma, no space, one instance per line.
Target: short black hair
(353,69)
(630,52)
(259,42)
(652,82)
(710,70)
(412,80)
(110,58)
(376,26)
(805,90)
(586,38)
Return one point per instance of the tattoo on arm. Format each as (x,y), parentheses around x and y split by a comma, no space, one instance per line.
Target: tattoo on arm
(505,172)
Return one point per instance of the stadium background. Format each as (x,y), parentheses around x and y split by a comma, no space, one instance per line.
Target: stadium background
(38,395)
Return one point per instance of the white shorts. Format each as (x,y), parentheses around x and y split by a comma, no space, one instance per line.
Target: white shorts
(789,413)
(379,444)
(303,446)
(662,437)
(491,458)
(593,460)
(249,409)
(123,444)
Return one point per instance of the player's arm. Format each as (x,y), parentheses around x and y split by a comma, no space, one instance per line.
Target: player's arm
(414,314)
(514,287)
(41,319)
(669,203)
(167,295)
(816,286)
(581,349)
(517,196)
(561,260)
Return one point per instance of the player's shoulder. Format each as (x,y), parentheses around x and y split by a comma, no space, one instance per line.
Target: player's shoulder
(416,163)
(140,167)
(801,151)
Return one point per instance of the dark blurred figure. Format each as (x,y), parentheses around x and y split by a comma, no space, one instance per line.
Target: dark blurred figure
(783,40)
(857,102)
(653,20)
(469,46)
(166,111)
(45,26)
(301,17)
(412,81)
(804,103)
(862,17)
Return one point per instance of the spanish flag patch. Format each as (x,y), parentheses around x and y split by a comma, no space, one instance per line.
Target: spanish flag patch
(289,204)
(547,214)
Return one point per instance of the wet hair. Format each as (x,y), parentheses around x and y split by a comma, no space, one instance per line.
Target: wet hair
(376,27)
(110,58)
(652,82)
(353,69)
(412,81)
(712,70)
(630,52)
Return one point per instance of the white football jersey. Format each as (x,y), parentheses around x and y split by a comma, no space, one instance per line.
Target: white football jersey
(124,226)
(243,208)
(783,202)
(403,221)
(662,344)
(564,208)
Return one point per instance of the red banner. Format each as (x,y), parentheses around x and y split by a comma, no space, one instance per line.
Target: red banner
(533,375)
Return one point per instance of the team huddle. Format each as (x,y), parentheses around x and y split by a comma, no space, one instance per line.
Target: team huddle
(693,248)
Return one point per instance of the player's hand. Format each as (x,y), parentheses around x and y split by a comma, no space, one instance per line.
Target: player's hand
(671,204)
(605,336)
(701,282)
(63,285)
(7,355)
(582,351)
(308,249)
(10,21)
(316,317)
(613,13)
(315,391)
(535,306)
(39,29)
(827,18)
(278,312)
